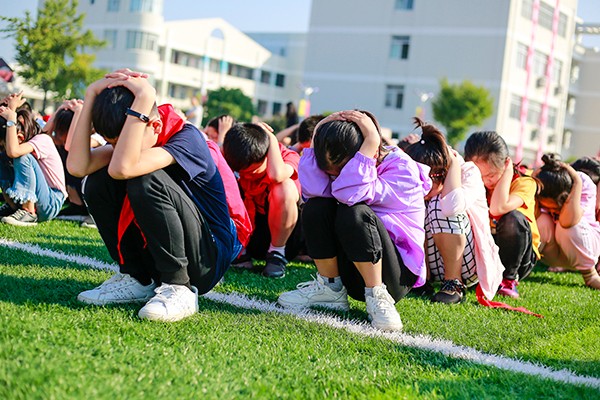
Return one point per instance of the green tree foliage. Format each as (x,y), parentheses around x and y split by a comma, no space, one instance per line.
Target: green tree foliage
(229,101)
(51,49)
(460,107)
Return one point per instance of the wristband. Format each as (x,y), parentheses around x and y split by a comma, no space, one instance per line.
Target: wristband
(142,117)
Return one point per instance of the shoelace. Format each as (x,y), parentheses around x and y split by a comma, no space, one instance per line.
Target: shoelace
(385,302)
(164,292)
(20,213)
(453,286)
(310,286)
(117,280)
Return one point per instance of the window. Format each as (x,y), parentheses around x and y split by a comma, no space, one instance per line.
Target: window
(539,63)
(521,56)
(399,47)
(240,71)
(546,15)
(557,71)
(276,108)
(265,77)
(535,110)
(214,66)
(515,107)
(527,9)
(562,25)
(142,6)
(110,36)
(142,40)
(551,117)
(394,96)
(279,81)
(552,139)
(403,5)
(114,5)
(534,134)
(261,107)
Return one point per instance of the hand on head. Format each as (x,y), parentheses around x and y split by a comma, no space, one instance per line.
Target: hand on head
(14,100)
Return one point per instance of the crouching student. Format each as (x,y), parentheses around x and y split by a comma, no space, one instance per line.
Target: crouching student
(511,198)
(268,179)
(570,233)
(156,196)
(363,220)
(31,171)
(460,247)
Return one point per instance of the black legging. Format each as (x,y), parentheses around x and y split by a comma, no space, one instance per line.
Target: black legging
(354,234)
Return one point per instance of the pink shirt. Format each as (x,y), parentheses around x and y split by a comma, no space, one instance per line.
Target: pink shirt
(49,160)
(588,201)
(394,189)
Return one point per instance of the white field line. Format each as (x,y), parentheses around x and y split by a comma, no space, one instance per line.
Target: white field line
(423,342)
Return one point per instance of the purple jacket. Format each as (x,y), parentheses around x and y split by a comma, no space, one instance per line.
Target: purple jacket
(394,190)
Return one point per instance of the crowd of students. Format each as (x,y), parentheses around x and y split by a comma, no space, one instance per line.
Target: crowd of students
(176,206)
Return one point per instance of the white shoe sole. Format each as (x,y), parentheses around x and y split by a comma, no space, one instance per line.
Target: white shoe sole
(331,306)
(388,326)
(98,302)
(150,316)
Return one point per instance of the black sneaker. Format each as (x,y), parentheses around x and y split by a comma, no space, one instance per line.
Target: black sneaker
(426,290)
(452,292)
(73,212)
(275,267)
(21,218)
(243,262)
(6,210)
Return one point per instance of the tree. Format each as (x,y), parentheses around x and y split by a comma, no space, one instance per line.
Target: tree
(459,107)
(50,49)
(229,101)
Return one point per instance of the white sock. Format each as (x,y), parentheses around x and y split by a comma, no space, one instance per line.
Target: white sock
(334,284)
(280,250)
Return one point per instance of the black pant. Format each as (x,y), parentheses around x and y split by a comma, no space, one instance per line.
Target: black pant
(180,248)
(261,238)
(515,242)
(354,234)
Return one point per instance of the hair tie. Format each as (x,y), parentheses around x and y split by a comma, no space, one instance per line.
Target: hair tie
(422,141)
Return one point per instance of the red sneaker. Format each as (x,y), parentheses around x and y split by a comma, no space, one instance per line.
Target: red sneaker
(508,288)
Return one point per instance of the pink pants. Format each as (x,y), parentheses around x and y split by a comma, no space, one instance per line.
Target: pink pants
(576,248)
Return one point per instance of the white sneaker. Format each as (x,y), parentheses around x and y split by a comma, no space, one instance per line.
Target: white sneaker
(315,293)
(382,312)
(119,288)
(171,303)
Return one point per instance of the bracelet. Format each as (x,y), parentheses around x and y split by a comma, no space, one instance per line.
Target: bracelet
(133,113)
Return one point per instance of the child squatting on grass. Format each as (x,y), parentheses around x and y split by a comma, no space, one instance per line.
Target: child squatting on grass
(460,247)
(268,178)
(363,219)
(511,198)
(570,233)
(31,171)
(156,196)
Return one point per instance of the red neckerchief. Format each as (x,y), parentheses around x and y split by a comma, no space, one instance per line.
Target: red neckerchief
(171,124)
(496,304)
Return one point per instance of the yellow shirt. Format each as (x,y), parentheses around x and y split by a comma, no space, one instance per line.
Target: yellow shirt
(525,187)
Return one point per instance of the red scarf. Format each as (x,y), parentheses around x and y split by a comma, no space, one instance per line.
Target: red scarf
(496,304)
(171,124)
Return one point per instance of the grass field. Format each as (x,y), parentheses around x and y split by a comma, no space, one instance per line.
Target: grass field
(53,347)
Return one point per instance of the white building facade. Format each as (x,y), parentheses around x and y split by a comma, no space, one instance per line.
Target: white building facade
(389,57)
(191,57)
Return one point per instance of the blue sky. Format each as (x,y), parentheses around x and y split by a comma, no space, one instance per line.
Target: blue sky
(253,15)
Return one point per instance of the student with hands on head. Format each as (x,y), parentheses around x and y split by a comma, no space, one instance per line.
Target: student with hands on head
(31,171)
(268,179)
(570,233)
(363,219)
(156,196)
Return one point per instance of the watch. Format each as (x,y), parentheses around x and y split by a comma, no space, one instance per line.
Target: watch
(133,113)
(11,123)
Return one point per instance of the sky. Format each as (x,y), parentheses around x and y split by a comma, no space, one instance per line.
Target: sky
(251,15)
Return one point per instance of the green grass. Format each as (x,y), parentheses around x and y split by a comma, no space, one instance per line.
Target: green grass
(53,347)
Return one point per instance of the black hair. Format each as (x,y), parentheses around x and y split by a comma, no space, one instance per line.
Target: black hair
(431,150)
(25,124)
(589,166)
(336,142)
(62,122)
(108,111)
(487,146)
(307,128)
(244,145)
(555,179)
(214,122)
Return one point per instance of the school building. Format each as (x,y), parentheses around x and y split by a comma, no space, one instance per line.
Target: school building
(386,56)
